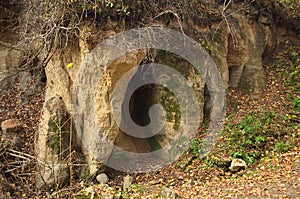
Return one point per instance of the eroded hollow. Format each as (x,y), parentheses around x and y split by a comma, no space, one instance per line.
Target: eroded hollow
(147,95)
(140,103)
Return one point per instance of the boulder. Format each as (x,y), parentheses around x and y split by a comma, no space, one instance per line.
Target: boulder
(11,130)
(52,144)
(237,165)
(102,178)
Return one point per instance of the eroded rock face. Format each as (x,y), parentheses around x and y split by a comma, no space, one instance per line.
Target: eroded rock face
(93,144)
(10,61)
(239,52)
(238,57)
(171,104)
(59,77)
(97,144)
(52,138)
(13,67)
(219,50)
(52,143)
(252,77)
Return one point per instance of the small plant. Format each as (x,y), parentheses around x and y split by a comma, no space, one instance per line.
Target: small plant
(260,139)
(196,146)
(172,107)
(248,138)
(249,157)
(295,104)
(212,160)
(125,194)
(135,187)
(281,147)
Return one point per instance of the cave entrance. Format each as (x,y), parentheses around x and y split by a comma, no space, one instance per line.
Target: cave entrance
(236,59)
(144,97)
(139,105)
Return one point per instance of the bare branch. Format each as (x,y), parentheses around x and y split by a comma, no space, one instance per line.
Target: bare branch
(175,14)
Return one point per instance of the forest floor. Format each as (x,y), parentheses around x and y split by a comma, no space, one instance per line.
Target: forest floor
(273,155)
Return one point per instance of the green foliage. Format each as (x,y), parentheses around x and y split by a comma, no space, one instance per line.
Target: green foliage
(249,157)
(295,111)
(248,138)
(196,145)
(53,126)
(168,99)
(84,174)
(249,133)
(135,186)
(172,107)
(282,147)
(288,66)
(53,141)
(295,104)
(125,194)
(234,105)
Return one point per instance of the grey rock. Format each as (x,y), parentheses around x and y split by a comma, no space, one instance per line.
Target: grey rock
(102,178)
(127,182)
(52,143)
(237,165)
